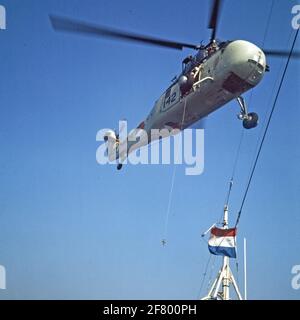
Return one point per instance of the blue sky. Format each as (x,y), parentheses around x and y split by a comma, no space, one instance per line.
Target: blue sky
(72,229)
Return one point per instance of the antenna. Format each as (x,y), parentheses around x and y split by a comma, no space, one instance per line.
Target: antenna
(224,277)
(245,269)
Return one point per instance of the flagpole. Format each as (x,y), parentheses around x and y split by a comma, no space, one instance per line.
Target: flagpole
(225,276)
(225,282)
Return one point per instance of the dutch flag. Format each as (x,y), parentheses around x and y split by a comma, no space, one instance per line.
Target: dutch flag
(222,242)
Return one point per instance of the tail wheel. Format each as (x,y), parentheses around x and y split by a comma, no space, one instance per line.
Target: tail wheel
(251,121)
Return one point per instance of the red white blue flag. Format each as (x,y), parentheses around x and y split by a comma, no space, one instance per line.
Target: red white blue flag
(222,242)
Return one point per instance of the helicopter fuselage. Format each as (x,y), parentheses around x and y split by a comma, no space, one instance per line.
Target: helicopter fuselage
(219,78)
(223,76)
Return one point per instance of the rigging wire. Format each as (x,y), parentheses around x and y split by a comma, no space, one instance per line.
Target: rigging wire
(204,275)
(234,167)
(227,197)
(268,23)
(280,70)
(266,130)
(211,271)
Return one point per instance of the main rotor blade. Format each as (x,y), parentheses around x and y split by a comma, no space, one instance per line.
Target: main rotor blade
(214,16)
(74,26)
(281,53)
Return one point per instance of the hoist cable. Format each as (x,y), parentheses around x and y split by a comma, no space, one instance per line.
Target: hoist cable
(169,203)
(172,184)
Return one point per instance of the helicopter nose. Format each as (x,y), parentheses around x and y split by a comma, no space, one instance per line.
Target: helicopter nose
(248,61)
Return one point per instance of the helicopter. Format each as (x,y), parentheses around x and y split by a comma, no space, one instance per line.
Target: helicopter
(219,72)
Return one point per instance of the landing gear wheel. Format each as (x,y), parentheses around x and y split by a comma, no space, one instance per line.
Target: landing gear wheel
(251,121)
(119,166)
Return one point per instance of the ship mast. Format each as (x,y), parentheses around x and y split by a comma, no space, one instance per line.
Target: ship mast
(225,276)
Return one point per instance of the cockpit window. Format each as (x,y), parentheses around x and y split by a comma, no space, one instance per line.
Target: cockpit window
(260,66)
